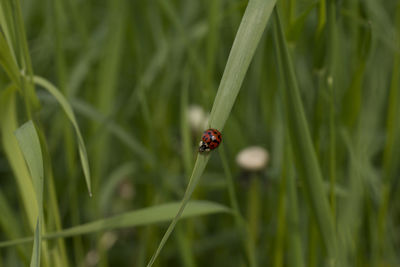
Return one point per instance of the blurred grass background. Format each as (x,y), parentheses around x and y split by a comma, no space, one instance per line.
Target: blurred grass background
(130,71)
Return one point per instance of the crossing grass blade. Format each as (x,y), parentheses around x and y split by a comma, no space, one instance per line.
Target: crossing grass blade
(29,143)
(247,38)
(35,260)
(71,116)
(303,149)
(146,216)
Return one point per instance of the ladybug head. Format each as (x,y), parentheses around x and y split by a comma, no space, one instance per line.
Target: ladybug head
(203,147)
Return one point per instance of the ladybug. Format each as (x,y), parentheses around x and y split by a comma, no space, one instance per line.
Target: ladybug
(210,140)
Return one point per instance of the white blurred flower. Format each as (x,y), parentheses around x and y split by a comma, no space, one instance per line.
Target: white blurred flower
(126,190)
(107,240)
(198,119)
(253,158)
(92,258)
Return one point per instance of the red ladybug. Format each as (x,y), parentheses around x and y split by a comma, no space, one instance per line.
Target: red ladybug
(210,140)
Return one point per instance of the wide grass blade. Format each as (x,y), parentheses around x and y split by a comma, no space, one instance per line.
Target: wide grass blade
(71,116)
(247,38)
(30,146)
(14,155)
(303,149)
(29,143)
(146,216)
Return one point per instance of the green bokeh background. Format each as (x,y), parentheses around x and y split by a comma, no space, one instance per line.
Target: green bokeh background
(132,69)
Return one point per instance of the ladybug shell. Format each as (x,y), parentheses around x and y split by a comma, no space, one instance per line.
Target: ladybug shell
(212,138)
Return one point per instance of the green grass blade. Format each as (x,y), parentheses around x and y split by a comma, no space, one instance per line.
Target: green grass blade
(282,219)
(146,216)
(198,170)
(28,140)
(10,224)
(88,111)
(8,62)
(7,26)
(35,260)
(250,31)
(14,155)
(348,223)
(247,243)
(29,143)
(302,144)
(71,116)
(247,38)
(21,44)
(295,251)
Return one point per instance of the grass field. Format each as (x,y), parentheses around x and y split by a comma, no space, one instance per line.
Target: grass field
(103,104)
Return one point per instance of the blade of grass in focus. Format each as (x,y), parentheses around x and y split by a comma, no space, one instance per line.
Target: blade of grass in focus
(71,116)
(303,150)
(142,217)
(30,146)
(247,38)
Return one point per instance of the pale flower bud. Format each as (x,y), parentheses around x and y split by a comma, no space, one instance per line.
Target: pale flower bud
(126,190)
(108,240)
(197,118)
(92,258)
(253,158)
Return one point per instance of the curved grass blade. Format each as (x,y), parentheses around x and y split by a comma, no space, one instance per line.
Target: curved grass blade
(247,38)
(146,216)
(28,141)
(84,109)
(71,116)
